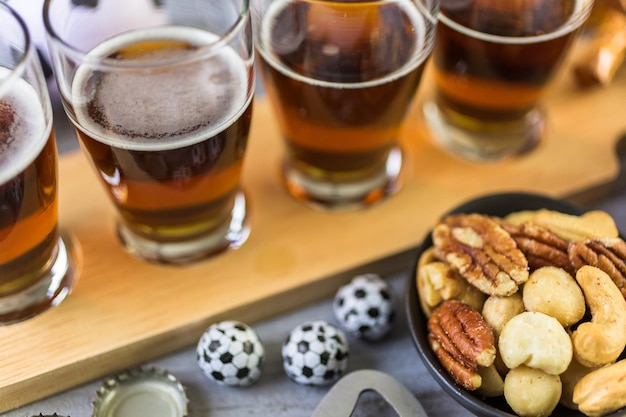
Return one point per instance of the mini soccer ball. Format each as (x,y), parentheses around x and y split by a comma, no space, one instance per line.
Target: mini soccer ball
(364,307)
(230,353)
(315,353)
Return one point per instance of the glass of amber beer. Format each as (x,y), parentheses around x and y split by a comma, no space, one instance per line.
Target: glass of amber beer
(37,264)
(493,61)
(160,94)
(341,76)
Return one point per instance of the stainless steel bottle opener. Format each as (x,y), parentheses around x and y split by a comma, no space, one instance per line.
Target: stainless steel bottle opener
(342,398)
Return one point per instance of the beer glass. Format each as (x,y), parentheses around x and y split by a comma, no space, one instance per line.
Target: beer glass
(160,94)
(37,267)
(493,61)
(341,76)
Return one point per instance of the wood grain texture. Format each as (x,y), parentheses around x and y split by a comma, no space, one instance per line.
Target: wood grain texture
(123,311)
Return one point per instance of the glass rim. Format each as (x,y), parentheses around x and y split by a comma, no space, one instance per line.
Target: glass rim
(202,52)
(428,11)
(356,2)
(576,21)
(17,70)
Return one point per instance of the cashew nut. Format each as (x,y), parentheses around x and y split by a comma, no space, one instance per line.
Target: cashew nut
(492,383)
(569,379)
(593,224)
(437,282)
(603,339)
(602,390)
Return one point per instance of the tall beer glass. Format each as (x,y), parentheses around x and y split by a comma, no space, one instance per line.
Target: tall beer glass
(37,266)
(160,94)
(493,61)
(341,76)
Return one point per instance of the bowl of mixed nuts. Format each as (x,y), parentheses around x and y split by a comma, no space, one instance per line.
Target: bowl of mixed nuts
(517,307)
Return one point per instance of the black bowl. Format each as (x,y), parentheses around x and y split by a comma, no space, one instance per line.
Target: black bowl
(495,205)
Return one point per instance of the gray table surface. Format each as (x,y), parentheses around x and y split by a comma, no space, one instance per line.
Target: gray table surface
(274,394)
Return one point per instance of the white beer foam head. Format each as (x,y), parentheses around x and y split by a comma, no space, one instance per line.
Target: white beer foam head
(161,106)
(28,130)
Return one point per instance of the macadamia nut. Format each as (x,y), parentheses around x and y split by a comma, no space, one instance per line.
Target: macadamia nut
(532,392)
(536,340)
(497,310)
(553,291)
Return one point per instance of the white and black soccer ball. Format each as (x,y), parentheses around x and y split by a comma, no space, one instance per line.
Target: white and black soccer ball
(365,307)
(230,353)
(315,353)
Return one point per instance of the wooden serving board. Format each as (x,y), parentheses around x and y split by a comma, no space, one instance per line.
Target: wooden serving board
(123,311)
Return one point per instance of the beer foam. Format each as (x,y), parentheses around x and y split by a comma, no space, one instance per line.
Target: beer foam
(421,53)
(172,104)
(27,128)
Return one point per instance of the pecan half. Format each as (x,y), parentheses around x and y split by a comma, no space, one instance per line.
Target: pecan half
(540,246)
(608,255)
(463,373)
(461,339)
(482,252)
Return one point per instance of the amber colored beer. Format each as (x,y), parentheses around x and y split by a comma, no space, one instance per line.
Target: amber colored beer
(28,189)
(491,64)
(167,142)
(341,93)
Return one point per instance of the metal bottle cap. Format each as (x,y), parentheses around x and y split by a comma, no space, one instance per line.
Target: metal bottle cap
(141,392)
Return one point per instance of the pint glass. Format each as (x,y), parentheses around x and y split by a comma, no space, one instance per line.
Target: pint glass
(37,266)
(160,94)
(341,76)
(493,61)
